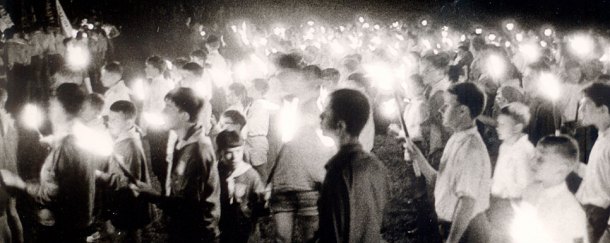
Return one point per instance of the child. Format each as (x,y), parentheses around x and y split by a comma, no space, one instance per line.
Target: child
(241,189)
(92,110)
(513,170)
(111,76)
(561,217)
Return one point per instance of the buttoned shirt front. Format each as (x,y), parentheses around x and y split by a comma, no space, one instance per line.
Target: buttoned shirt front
(595,187)
(465,171)
(513,171)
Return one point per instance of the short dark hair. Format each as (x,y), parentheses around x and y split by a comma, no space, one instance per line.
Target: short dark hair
(113,67)
(290,61)
(70,97)
(193,68)
(126,107)
(186,100)
(312,72)
(212,39)
(469,95)
(261,85)
(360,79)
(599,93)
(228,139)
(157,62)
(236,117)
(331,73)
(351,107)
(199,54)
(563,144)
(96,100)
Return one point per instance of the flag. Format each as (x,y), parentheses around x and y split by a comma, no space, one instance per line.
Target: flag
(66,26)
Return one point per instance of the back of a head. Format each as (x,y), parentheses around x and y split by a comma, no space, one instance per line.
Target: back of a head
(70,97)
(261,85)
(200,54)
(312,72)
(157,62)
(125,107)
(351,65)
(193,68)
(114,67)
(228,139)
(331,74)
(238,89)
(562,145)
(360,79)
(213,41)
(512,94)
(236,117)
(439,61)
(351,107)
(186,100)
(96,101)
(288,61)
(469,95)
(599,93)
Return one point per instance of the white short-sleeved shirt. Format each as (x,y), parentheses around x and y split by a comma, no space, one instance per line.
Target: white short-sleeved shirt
(513,171)
(561,217)
(118,91)
(465,170)
(595,187)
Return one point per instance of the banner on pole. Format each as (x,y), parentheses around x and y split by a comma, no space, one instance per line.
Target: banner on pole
(63,20)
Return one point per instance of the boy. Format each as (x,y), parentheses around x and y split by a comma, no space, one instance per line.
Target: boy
(513,168)
(92,110)
(241,189)
(561,218)
(190,200)
(127,213)
(111,76)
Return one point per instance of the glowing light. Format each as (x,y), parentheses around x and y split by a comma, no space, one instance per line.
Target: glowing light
(463,38)
(310,23)
(377,27)
(138,88)
(519,37)
(202,33)
(543,44)
(496,66)
(444,33)
(389,109)
(326,141)
(507,44)
(550,86)
(337,48)
(234,28)
(154,120)
(548,32)
(510,26)
(376,40)
(365,25)
(400,37)
(77,57)
(341,28)
(93,141)
(530,51)
(289,117)
(491,37)
(381,76)
(241,71)
(424,22)
(395,24)
(361,19)
(478,31)
(32,117)
(526,226)
(582,45)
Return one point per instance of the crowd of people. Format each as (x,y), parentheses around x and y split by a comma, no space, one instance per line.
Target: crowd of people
(508,127)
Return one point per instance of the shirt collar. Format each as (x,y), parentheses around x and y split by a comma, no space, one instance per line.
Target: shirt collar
(554,191)
(131,133)
(345,149)
(196,132)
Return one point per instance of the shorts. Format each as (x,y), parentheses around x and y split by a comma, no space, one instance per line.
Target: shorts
(302,203)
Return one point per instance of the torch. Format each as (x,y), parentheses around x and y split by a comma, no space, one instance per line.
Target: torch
(403,124)
(550,86)
(32,117)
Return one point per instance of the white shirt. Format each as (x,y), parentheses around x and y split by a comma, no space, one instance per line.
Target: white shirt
(416,113)
(219,71)
(561,217)
(513,171)
(465,170)
(155,99)
(118,91)
(595,186)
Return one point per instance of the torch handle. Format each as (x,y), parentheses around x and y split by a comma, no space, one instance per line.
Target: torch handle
(403,124)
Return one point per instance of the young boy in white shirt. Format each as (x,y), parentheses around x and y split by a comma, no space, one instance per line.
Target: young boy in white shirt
(513,172)
(559,215)
(111,76)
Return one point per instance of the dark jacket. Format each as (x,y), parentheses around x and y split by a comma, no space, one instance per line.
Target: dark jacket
(126,211)
(67,186)
(353,197)
(193,204)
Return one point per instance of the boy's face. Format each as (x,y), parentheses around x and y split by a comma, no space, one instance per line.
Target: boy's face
(108,78)
(232,98)
(89,112)
(507,127)
(231,156)
(118,123)
(150,71)
(549,166)
(452,111)
(173,115)
(591,113)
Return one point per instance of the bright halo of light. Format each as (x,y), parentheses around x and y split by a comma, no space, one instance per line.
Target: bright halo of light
(510,26)
(496,66)
(550,86)
(155,120)
(548,32)
(93,141)
(530,51)
(381,76)
(526,226)
(289,119)
(138,89)
(478,31)
(31,116)
(77,57)
(424,22)
(582,45)
(389,109)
